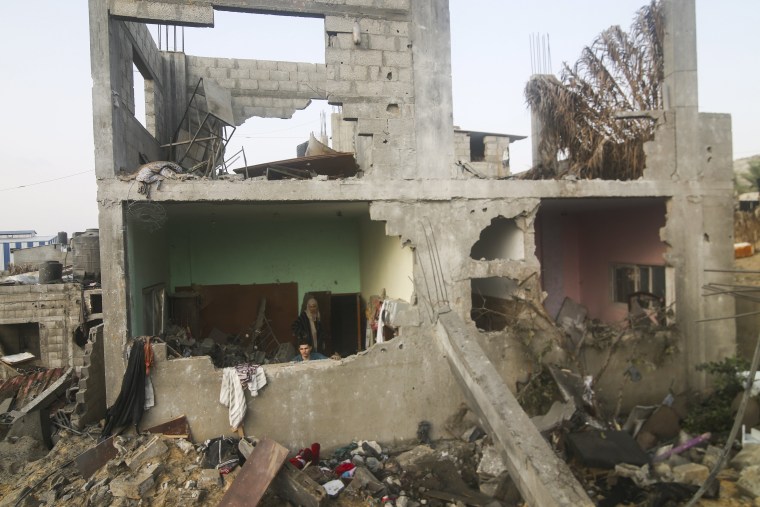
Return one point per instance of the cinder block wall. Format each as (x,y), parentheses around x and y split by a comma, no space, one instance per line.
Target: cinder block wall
(56,309)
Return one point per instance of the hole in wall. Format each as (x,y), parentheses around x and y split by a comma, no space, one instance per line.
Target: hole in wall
(492,306)
(393,109)
(502,239)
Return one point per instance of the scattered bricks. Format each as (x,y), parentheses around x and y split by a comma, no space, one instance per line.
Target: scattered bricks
(135,487)
(691,473)
(189,496)
(154,448)
(749,456)
(749,482)
(209,479)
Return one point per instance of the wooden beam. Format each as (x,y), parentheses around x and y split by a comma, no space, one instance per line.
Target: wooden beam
(256,475)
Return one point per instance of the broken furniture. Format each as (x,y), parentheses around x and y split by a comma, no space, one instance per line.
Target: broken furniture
(262,333)
(205,129)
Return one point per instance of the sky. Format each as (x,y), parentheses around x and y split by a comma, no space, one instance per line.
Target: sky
(48,181)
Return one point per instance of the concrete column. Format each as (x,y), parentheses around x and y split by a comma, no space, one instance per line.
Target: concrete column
(434,116)
(102,102)
(113,253)
(699,221)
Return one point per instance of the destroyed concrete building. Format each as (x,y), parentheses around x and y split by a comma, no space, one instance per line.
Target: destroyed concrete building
(414,223)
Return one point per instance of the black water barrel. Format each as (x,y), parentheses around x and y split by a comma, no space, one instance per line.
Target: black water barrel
(63,238)
(50,272)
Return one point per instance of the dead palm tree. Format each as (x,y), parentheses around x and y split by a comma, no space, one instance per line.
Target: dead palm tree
(621,71)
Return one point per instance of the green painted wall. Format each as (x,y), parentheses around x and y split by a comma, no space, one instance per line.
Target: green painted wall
(319,254)
(148,264)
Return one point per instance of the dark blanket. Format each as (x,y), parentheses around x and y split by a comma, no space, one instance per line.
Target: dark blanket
(130,405)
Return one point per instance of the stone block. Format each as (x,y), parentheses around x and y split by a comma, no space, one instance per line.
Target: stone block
(152,449)
(288,86)
(366,57)
(385,43)
(337,56)
(240,73)
(267,64)
(269,85)
(135,487)
(691,473)
(749,481)
(209,478)
(397,58)
(749,456)
(369,88)
(261,74)
(225,63)
(279,75)
(217,73)
(248,84)
(491,464)
(339,24)
(353,72)
(287,66)
(306,67)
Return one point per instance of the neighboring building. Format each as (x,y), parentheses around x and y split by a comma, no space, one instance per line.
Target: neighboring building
(415,226)
(10,240)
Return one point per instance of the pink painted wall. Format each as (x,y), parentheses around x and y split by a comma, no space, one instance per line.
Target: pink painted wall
(577,264)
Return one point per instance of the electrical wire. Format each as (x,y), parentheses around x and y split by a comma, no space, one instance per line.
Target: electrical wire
(46,181)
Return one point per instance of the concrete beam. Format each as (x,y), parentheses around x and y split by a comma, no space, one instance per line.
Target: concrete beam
(198,14)
(542,478)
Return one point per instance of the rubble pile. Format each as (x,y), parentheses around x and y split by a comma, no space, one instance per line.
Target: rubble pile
(225,350)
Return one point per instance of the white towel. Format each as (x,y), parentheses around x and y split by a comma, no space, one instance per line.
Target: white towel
(233,397)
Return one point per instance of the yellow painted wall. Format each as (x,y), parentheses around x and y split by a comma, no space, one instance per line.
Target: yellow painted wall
(385,264)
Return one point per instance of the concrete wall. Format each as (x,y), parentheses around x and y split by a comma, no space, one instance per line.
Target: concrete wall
(148,258)
(316,401)
(318,254)
(55,308)
(38,254)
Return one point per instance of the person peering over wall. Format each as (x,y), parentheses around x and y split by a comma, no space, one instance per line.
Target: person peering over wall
(308,326)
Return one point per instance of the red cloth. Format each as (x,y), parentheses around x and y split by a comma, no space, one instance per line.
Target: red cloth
(344,467)
(306,455)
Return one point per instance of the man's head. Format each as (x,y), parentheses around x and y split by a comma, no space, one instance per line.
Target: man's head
(304,348)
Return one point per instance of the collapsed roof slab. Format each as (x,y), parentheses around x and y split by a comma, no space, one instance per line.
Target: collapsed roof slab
(542,478)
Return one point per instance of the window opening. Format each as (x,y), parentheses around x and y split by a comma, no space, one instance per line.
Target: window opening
(139,96)
(628,279)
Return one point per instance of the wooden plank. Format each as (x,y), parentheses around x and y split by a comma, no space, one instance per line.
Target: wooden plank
(256,475)
(91,460)
(176,427)
(296,487)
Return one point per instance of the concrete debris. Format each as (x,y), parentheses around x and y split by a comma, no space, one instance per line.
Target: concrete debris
(749,482)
